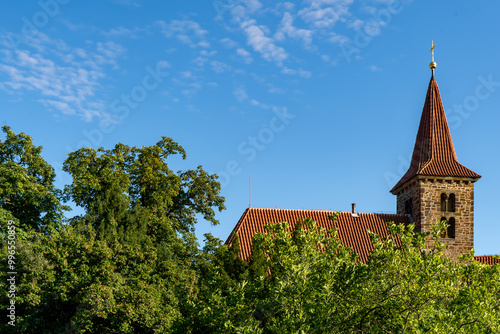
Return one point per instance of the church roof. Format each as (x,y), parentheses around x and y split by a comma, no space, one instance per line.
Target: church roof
(488,259)
(352,231)
(434,153)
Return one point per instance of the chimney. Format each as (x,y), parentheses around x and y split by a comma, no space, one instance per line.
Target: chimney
(354,213)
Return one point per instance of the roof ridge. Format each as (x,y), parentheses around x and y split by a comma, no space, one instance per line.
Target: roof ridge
(322,210)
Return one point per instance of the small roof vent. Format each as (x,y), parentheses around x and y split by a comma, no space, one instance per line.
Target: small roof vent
(354,213)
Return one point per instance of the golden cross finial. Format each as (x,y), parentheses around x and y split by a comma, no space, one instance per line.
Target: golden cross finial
(432,49)
(433,64)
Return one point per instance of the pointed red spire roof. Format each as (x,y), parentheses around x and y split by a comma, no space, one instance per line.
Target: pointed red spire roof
(434,153)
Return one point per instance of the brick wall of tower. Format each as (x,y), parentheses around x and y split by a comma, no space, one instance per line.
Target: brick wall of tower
(426,199)
(410,193)
(431,191)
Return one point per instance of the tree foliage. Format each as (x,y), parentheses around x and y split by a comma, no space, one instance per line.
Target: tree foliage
(131,263)
(27,192)
(124,264)
(314,284)
(115,186)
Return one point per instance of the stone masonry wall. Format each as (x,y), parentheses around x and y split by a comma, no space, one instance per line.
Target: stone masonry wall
(426,200)
(411,193)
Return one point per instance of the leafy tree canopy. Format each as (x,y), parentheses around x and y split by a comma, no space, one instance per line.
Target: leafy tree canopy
(131,263)
(131,184)
(313,284)
(27,192)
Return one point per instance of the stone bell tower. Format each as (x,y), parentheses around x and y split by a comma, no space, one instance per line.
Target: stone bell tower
(436,186)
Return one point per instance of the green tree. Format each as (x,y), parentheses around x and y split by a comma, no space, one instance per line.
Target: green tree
(27,192)
(72,281)
(220,272)
(314,284)
(125,183)
(410,288)
(128,262)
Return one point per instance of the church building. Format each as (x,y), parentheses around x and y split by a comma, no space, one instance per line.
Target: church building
(436,187)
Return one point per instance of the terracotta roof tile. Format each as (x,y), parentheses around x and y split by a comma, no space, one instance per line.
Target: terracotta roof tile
(351,231)
(434,153)
(487,259)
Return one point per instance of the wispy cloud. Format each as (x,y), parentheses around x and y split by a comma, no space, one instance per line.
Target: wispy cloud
(186,31)
(325,13)
(219,67)
(245,55)
(67,79)
(374,68)
(188,83)
(300,72)
(228,43)
(258,38)
(252,5)
(288,29)
(121,31)
(240,94)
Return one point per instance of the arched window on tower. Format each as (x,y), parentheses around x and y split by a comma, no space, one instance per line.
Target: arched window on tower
(450,231)
(408,207)
(443,202)
(451,203)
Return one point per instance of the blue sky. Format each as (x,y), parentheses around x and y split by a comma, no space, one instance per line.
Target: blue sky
(318,101)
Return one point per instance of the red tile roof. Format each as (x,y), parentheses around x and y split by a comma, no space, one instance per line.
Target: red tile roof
(488,259)
(352,231)
(434,153)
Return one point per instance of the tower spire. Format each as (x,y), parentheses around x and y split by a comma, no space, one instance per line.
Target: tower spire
(434,152)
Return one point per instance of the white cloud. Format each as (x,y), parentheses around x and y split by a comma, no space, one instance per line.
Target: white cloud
(228,43)
(257,39)
(286,6)
(259,104)
(252,5)
(374,68)
(121,31)
(275,90)
(244,9)
(300,72)
(66,79)
(64,107)
(289,71)
(304,74)
(338,39)
(240,94)
(355,24)
(200,61)
(208,53)
(188,83)
(287,29)
(328,59)
(325,13)
(108,53)
(186,31)
(245,55)
(219,67)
